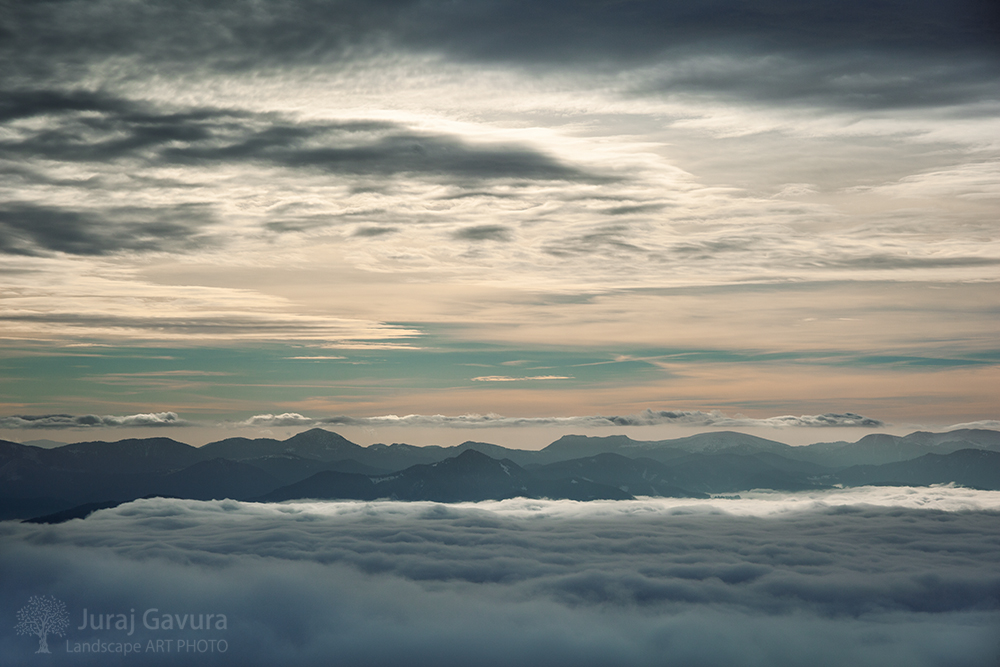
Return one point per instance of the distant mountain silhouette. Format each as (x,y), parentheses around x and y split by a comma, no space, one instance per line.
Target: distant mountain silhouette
(880,448)
(726,473)
(126,456)
(323,464)
(468,477)
(398,456)
(215,480)
(288,468)
(577,446)
(965,438)
(692,475)
(322,445)
(582,446)
(326,485)
(974,468)
(316,443)
(639,477)
(35,480)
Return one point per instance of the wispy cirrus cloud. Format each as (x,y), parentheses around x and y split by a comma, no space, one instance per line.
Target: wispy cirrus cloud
(112,303)
(317,358)
(507,378)
(993,424)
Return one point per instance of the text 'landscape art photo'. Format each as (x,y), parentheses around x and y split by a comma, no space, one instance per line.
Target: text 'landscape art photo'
(500,333)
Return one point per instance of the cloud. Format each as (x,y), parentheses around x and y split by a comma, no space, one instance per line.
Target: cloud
(92,421)
(848,419)
(887,54)
(307,32)
(284,419)
(973,180)
(210,178)
(461,421)
(483,233)
(80,126)
(889,261)
(993,424)
(115,302)
(845,80)
(643,30)
(718,419)
(645,418)
(27,228)
(374,231)
(408,190)
(633,209)
(864,580)
(392,144)
(506,378)
(250,325)
(366,149)
(321,358)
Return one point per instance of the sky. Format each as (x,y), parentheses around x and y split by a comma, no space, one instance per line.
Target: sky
(871,576)
(498,220)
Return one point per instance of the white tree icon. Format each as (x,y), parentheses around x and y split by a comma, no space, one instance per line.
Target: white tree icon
(41,617)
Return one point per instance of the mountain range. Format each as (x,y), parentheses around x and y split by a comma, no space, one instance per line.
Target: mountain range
(37,481)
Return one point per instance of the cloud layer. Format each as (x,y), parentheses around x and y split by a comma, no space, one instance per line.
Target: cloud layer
(873,576)
(645,418)
(694,418)
(91,421)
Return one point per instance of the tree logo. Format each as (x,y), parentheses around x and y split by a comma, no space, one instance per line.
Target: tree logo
(42,616)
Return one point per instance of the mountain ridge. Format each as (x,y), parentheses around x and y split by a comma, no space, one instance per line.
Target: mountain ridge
(36,480)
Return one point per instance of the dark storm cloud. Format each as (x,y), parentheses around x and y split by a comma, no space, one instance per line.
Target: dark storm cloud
(854,81)
(87,126)
(28,104)
(397,152)
(33,229)
(240,34)
(93,127)
(566,30)
(46,37)
(82,126)
(527,582)
(858,53)
(94,130)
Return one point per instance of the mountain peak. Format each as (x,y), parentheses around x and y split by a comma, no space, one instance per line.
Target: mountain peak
(317,433)
(472,455)
(471,461)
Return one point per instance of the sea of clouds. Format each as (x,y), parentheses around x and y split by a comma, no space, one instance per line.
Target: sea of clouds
(869,576)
